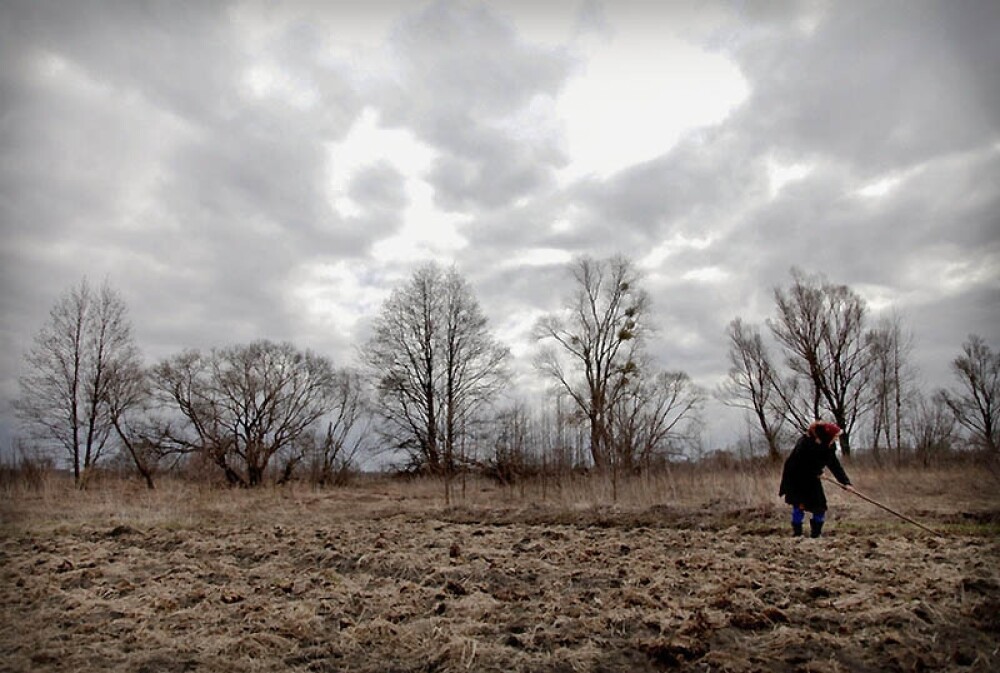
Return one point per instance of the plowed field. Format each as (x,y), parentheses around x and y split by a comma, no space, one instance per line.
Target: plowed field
(362,581)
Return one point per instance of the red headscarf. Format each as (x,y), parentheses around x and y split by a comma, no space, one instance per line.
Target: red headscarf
(824,432)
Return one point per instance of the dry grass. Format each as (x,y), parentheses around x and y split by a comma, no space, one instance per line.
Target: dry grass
(687,571)
(936,490)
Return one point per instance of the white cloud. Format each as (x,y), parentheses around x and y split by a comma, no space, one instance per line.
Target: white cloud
(878,297)
(712,275)
(515,331)
(944,272)
(780,174)
(637,95)
(427,232)
(880,187)
(539,257)
(675,245)
(335,295)
(266,80)
(367,144)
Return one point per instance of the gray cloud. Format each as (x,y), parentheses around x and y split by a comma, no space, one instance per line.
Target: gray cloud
(688,191)
(379,186)
(492,171)
(878,86)
(182,151)
(463,72)
(476,61)
(181,59)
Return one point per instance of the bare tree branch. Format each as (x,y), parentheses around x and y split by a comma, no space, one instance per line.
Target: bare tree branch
(976,404)
(434,365)
(597,343)
(76,357)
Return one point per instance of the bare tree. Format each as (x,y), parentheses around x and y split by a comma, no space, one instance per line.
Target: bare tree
(753,384)
(475,364)
(892,383)
(654,419)
(562,438)
(333,457)
(435,365)
(821,326)
(182,386)
(129,400)
(243,405)
(512,438)
(84,347)
(596,343)
(976,404)
(931,428)
(798,328)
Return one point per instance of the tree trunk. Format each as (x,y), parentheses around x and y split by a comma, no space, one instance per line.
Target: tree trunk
(845,444)
(232,476)
(596,450)
(255,475)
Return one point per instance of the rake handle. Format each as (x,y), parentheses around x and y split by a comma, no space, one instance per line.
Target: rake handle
(878,504)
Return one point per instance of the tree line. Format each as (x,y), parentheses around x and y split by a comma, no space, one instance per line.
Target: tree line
(432,388)
(821,355)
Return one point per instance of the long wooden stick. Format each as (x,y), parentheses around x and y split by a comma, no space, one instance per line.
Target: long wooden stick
(878,504)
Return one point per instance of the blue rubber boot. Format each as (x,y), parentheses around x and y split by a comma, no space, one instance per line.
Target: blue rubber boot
(798,516)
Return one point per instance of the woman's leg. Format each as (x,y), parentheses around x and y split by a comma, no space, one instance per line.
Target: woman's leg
(798,516)
(816,523)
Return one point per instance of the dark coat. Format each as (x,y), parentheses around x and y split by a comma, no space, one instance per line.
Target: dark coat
(800,478)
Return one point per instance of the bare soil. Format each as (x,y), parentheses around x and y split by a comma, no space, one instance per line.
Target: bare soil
(368,581)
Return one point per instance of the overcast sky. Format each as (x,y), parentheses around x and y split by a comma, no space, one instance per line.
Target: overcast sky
(251,170)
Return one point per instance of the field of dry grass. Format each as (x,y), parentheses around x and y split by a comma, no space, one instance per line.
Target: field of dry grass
(693,571)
